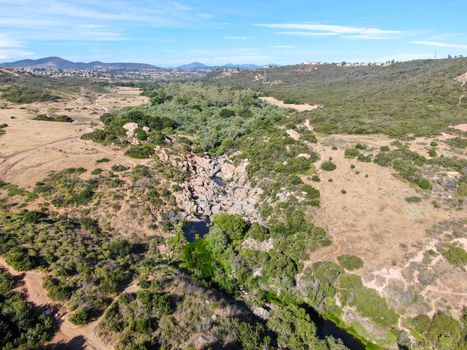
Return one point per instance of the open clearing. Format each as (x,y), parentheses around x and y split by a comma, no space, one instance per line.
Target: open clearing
(297,107)
(30,149)
(373,221)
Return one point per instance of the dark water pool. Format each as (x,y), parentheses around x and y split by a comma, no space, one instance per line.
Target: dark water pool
(192,228)
(326,328)
(218,181)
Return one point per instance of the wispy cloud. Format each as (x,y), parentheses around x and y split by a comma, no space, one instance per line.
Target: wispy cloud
(309,34)
(316,30)
(438,44)
(5,42)
(282,47)
(11,48)
(239,37)
(91,20)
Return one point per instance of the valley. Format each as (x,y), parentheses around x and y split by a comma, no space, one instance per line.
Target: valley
(217,214)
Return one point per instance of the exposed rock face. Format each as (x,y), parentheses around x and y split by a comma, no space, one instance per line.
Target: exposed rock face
(130,132)
(215,186)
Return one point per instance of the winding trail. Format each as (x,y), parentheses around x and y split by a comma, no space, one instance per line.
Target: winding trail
(36,294)
(106,110)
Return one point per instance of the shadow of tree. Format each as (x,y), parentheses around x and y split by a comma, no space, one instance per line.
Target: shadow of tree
(77,343)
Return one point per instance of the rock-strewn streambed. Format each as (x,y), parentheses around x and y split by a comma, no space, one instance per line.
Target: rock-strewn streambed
(214,186)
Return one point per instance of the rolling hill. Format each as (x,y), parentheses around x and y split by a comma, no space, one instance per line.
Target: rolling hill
(60,63)
(421,97)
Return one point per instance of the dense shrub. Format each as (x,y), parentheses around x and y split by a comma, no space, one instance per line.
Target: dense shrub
(350,262)
(22,326)
(54,118)
(81,316)
(456,256)
(424,184)
(140,151)
(351,152)
(328,166)
(27,94)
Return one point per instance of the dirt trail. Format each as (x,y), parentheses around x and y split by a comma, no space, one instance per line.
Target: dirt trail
(32,284)
(37,295)
(106,110)
(11,160)
(298,107)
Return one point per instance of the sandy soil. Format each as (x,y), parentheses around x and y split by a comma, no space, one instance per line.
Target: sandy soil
(297,107)
(461,127)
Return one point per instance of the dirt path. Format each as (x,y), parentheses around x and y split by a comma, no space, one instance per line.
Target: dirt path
(106,110)
(297,107)
(11,160)
(37,295)
(32,284)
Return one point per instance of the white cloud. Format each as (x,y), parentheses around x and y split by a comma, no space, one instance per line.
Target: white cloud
(307,33)
(438,44)
(13,53)
(5,42)
(239,37)
(307,29)
(92,20)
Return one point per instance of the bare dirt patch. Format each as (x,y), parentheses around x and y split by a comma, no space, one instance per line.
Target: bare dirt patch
(298,107)
(461,127)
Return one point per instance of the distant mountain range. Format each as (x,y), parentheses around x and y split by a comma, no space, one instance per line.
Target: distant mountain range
(60,63)
(199,65)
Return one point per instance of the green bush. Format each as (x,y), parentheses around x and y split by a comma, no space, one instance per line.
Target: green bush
(351,152)
(140,151)
(96,171)
(22,325)
(54,118)
(232,225)
(119,167)
(22,259)
(424,184)
(328,166)
(440,332)
(350,262)
(57,290)
(81,316)
(413,199)
(455,255)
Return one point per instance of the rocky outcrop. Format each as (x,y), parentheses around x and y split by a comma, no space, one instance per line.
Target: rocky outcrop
(214,186)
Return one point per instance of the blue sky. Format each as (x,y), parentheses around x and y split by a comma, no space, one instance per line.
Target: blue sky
(169,33)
